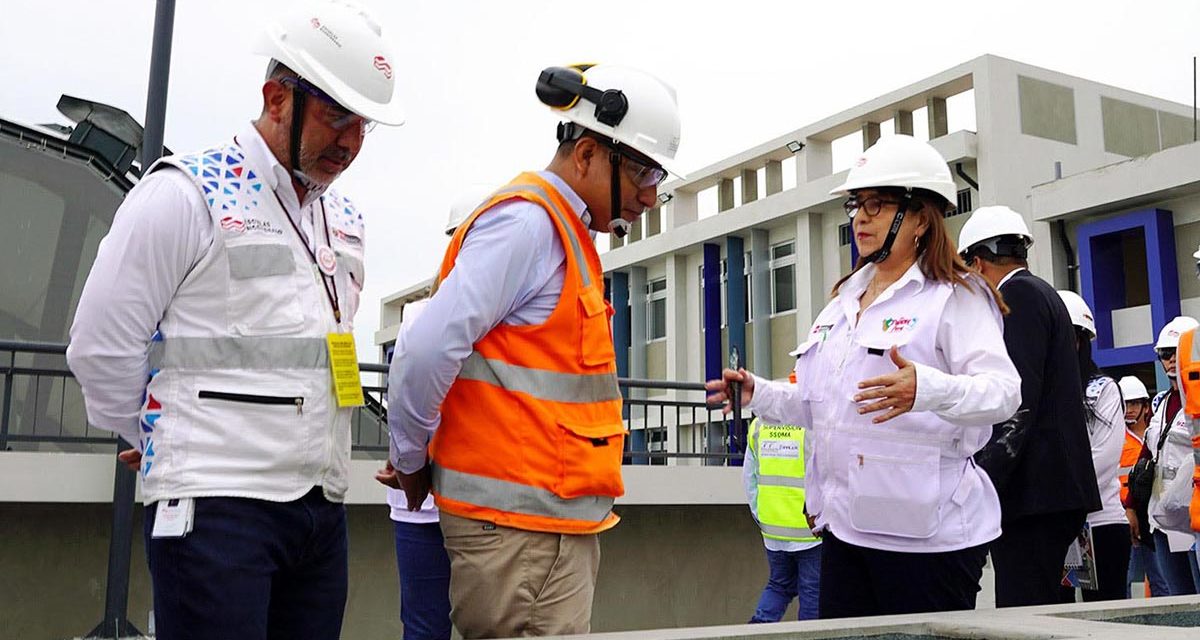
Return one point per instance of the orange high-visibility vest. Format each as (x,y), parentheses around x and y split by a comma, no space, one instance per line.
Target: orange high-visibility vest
(1189,379)
(531,434)
(1130,452)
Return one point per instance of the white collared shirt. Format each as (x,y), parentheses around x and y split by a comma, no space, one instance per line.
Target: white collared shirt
(509,270)
(908,484)
(160,232)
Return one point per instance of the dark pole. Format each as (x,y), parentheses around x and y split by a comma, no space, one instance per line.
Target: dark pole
(160,72)
(116,597)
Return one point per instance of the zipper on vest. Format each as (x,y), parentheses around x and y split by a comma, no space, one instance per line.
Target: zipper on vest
(250,398)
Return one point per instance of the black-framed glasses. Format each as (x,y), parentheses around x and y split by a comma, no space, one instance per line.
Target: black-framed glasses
(1165,354)
(330,112)
(871,206)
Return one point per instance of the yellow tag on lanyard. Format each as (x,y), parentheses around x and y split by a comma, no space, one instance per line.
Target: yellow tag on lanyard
(343,364)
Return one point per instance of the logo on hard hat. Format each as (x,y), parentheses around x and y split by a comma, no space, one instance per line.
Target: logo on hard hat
(381,63)
(861,161)
(316,24)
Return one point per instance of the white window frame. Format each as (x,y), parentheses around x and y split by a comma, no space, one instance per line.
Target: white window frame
(653,296)
(779,263)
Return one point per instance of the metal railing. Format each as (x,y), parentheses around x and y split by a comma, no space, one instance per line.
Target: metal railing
(43,409)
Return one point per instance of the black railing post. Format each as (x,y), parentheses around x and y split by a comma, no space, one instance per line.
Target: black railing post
(120,550)
(8,391)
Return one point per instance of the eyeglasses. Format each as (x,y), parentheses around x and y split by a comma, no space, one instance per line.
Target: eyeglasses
(643,175)
(1165,354)
(871,206)
(328,111)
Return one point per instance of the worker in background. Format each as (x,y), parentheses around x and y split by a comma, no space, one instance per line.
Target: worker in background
(224,280)
(1168,442)
(504,392)
(1105,414)
(773,474)
(1143,566)
(421,560)
(1039,459)
(895,402)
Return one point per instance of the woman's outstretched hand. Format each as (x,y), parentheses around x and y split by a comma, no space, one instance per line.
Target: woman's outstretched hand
(718,390)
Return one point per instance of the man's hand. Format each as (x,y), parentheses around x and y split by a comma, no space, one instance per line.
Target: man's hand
(131,458)
(1134,529)
(894,392)
(415,485)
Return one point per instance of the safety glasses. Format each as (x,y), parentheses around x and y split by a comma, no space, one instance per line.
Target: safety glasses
(327,110)
(1165,354)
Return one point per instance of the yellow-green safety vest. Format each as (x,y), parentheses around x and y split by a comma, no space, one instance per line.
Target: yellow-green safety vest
(779,450)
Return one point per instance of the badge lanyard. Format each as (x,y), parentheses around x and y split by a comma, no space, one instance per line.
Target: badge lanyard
(324,259)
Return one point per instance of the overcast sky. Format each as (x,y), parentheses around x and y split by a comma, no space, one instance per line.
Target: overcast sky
(745,72)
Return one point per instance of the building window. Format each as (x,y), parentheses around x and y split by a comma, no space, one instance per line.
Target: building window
(656,309)
(963,204)
(783,277)
(845,235)
(747,281)
(724,293)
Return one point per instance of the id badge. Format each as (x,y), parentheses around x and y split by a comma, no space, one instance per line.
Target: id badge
(173,518)
(343,366)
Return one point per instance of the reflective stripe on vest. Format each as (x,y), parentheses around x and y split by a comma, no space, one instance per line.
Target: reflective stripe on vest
(540,383)
(781,481)
(787,533)
(517,498)
(576,249)
(239,353)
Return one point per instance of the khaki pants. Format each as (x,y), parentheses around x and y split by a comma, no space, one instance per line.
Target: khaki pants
(509,582)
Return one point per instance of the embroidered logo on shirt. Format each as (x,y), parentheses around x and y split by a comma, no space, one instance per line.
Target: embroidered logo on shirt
(265,226)
(896,325)
(230,223)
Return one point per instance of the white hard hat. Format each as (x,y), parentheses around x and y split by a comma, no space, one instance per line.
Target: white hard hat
(1081,314)
(644,116)
(901,161)
(1168,338)
(466,204)
(1196,255)
(988,223)
(1133,389)
(339,48)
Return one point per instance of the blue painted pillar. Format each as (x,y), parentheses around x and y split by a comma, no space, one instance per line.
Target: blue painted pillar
(619,296)
(711,274)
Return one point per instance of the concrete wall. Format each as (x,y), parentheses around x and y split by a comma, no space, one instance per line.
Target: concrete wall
(663,566)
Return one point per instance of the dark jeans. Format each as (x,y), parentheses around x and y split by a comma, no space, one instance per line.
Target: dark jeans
(793,573)
(424,581)
(858,581)
(1028,557)
(252,570)
(1178,569)
(1143,565)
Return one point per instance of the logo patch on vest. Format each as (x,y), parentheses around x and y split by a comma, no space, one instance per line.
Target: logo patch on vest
(897,325)
(786,449)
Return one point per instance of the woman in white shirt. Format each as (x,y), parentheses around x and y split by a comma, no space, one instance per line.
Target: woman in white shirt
(1106,430)
(901,379)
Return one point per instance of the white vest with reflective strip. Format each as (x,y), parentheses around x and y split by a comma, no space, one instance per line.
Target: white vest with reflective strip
(240,399)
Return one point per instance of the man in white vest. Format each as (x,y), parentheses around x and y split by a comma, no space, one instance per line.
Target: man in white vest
(217,306)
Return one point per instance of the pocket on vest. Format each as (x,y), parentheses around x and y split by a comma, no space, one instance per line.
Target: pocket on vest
(896,494)
(263,297)
(590,460)
(596,346)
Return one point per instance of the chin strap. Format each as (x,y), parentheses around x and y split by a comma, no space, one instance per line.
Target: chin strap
(617,225)
(886,250)
(298,101)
